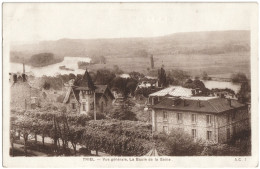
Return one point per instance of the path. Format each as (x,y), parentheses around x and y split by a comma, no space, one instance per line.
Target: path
(37,153)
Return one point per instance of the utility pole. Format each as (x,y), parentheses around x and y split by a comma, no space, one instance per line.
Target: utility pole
(95,115)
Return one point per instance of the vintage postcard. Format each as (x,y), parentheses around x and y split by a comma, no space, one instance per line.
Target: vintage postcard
(130,85)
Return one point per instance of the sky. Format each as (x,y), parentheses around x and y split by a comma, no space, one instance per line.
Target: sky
(27,22)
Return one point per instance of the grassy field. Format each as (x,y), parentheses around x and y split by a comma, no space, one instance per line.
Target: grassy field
(218,65)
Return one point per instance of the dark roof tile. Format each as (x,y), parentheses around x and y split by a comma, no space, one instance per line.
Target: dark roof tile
(215,105)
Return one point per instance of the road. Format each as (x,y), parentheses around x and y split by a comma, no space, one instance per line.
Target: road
(50,141)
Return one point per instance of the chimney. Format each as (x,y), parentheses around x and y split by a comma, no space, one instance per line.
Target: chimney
(15,78)
(23,75)
(193,92)
(23,69)
(152,62)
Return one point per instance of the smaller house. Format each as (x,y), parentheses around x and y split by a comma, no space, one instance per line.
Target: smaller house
(86,96)
(23,95)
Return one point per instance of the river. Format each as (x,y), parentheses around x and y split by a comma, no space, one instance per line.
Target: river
(51,70)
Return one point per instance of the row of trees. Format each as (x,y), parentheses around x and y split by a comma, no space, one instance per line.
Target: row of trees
(110,136)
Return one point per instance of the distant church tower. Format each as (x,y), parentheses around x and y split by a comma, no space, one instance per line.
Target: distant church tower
(152,62)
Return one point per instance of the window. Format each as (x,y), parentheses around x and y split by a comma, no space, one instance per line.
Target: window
(228,118)
(83,94)
(155,100)
(233,116)
(234,130)
(209,135)
(102,107)
(73,105)
(228,133)
(193,118)
(165,116)
(179,117)
(209,120)
(92,106)
(165,129)
(84,106)
(194,133)
(33,100)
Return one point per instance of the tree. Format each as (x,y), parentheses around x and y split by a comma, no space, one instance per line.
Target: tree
(25,125)
(244,94)
(131,86)
(177,77)
(205,76)
(181,143)
(136,75)
(125,86)
(46,85)
(117,70)
(238,78)
(162,80)
(104,76)
(193,84)
(123,112)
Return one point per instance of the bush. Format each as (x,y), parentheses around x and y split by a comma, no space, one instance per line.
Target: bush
(99,116)
(46,85)
(180,143)
(124,115)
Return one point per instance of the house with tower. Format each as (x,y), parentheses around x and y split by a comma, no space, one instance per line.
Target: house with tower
(84,96)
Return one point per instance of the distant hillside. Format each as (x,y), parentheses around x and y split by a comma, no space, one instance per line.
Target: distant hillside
(215,42)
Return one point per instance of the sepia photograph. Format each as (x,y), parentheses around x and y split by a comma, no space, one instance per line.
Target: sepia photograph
(114,84)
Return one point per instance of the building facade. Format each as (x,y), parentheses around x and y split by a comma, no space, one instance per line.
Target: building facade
(210,119)
(23,95)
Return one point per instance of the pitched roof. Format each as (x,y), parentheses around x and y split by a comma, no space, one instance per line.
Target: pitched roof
(86,82)
(173,91)
(25,86)
(212,105)
(100,88)
(67,96)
